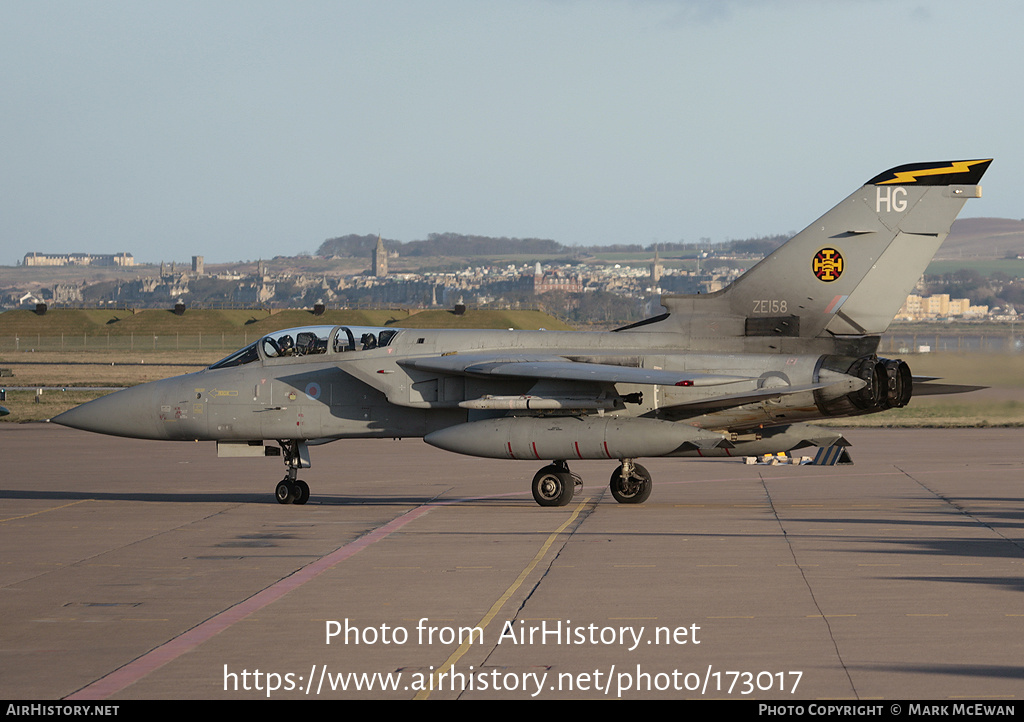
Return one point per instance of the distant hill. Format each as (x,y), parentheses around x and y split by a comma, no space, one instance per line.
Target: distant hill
(983,238)
(438,244)
(460,246)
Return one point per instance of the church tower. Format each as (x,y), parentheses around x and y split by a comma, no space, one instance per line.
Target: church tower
(657,270)
(380,259)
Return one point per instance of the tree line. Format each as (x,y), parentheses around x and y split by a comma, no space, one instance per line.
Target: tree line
(458,244)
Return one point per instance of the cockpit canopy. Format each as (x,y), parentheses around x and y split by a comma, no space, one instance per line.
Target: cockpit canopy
(310,340)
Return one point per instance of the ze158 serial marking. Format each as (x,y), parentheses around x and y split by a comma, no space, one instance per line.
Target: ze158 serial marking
(770,305)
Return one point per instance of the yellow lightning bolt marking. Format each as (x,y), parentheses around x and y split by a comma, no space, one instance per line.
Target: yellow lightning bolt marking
(911,176)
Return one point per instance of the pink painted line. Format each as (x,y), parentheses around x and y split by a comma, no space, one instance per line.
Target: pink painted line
(169,651)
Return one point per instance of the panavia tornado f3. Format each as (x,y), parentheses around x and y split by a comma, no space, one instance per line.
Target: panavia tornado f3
(736,372)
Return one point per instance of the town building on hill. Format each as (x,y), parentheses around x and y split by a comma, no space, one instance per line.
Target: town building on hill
(547,282)
(919,308)
(78,259)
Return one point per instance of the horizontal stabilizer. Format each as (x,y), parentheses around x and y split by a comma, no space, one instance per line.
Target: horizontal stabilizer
(927,388)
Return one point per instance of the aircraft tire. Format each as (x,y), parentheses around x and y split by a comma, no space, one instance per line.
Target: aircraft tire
(553,487)
(633,491)
(285,492)
(301,492)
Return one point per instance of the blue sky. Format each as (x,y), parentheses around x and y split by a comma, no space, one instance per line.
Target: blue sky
(247,129)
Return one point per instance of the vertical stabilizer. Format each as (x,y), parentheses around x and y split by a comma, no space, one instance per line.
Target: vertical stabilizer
(847,273)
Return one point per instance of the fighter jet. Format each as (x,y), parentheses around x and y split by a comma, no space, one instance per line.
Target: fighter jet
(736,372)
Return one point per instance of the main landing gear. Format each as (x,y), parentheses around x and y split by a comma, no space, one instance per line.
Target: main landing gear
(555,485)
(630,483)
(292,490)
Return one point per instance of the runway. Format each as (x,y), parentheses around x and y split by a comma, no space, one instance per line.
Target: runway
(153,570)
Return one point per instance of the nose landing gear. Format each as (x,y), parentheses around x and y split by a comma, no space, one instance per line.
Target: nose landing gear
(292,490)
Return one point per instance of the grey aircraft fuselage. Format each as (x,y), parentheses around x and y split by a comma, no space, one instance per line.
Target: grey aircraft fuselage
(375,393)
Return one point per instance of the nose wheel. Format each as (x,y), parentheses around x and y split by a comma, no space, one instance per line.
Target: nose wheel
(292,490)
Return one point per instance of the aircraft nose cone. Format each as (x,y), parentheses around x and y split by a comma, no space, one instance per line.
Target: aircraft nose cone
(129,412)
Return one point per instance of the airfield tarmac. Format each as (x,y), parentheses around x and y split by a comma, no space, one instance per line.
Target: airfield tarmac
(153,570)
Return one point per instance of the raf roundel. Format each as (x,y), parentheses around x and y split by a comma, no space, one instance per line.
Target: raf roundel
(827,265)
(313,391)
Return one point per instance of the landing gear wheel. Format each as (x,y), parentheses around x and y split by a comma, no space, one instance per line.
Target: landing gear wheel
(291,489)
(553,486)
(634,489)
(286,492)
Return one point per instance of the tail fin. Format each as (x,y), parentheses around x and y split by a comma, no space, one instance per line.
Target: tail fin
(847,273)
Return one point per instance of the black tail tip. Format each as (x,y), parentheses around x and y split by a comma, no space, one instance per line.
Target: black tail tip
(939,173)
